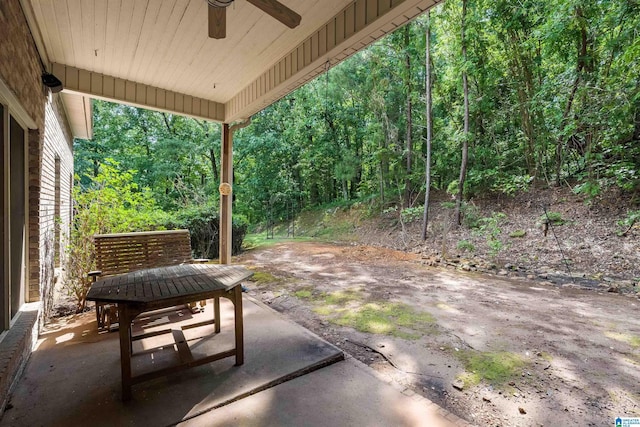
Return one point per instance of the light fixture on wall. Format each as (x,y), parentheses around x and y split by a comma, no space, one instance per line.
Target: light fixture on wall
(52,82)
(49,80)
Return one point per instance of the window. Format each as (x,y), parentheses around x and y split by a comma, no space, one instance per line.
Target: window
(14,220)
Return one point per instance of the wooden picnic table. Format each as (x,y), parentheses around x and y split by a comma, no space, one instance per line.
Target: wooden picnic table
(157,288)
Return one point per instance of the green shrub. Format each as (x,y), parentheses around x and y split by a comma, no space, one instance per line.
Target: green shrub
(465,245)
(470,213)
(518,233)
(203,223)
(627,223)
(553,218)
(489,228)
(111,204)
(412,214)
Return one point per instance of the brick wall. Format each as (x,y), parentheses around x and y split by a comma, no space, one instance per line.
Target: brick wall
(20,71)
(56,135)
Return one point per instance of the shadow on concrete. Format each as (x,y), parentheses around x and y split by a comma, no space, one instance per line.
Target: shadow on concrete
(73,376)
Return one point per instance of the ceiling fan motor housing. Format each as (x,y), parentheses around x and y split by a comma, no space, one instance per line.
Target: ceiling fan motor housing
(220,3)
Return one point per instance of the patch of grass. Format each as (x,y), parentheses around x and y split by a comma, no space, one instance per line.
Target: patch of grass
(323,310)
(259,240)
(342,297)
(303,293)
(632,340)
(393,319)
(496,368)
(263,277)
(518,233)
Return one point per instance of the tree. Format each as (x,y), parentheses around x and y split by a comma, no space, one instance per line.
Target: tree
(429,116)
(465,135)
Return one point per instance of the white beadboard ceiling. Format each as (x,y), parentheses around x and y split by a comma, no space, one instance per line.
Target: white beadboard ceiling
(160,49)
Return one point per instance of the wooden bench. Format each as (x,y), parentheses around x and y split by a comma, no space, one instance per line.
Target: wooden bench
(126,252)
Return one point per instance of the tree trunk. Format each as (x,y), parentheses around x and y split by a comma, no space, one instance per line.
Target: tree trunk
(580,67)
(409,146)
(465,141)
(425,215)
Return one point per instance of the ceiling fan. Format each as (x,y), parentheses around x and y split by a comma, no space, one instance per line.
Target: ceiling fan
(218,15)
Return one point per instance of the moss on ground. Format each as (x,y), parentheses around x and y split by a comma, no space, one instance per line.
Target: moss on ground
(383,318)
(393,319)
(304,293)
(263,278)
(496,368)
(632,340)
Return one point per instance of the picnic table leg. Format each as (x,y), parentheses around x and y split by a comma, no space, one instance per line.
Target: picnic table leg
(125,350)
(237,303)
(216,313)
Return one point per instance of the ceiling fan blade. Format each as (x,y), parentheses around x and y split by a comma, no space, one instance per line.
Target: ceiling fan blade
(279,11)
(217,22)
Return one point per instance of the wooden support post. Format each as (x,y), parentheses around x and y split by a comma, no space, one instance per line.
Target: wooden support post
(226,185)
(226,189)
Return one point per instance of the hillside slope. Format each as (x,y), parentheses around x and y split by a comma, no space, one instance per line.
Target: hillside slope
(582,245)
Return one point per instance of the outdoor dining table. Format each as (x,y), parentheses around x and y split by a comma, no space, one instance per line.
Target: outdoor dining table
(157,288)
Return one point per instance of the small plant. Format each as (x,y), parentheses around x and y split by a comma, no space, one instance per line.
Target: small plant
(489,228)
(518,233)
(553,218)
(590,189)
(470,213)
(465,245)
(626,224)
(412,214)
(511,184)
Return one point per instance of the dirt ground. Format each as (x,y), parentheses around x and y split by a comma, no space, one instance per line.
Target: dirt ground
(545,354)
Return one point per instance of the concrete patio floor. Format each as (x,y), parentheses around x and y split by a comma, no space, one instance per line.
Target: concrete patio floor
(290,377)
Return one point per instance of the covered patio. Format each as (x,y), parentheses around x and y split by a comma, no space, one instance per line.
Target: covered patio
(290,377)
(158,55)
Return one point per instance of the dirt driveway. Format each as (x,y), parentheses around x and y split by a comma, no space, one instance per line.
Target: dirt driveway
(496,351)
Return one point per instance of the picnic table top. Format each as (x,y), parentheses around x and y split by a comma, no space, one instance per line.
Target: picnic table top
(165,283)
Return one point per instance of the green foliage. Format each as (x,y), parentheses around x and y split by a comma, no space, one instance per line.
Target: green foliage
(452,188)
(465,245)
(518,233)
(512,184)
(627,223)
(489,227)
(203,223)
(412,214)
(540,112)
(590,189)
(386,318)
(551,217)
(496,368)
(471,217)
(111,203)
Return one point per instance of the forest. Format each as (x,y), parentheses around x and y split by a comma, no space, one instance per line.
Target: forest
(473,98)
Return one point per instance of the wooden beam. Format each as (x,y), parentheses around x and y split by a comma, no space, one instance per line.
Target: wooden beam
(226,177)
(100,86)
